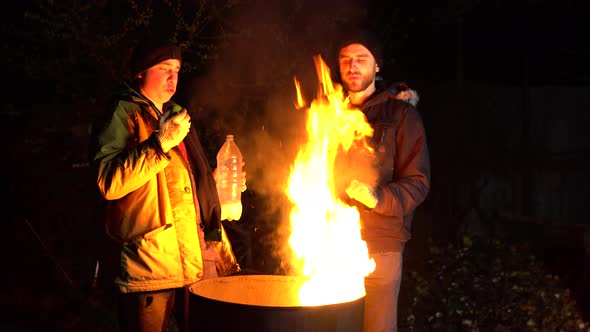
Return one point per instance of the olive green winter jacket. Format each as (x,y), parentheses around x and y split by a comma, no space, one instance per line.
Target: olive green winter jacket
(150,197)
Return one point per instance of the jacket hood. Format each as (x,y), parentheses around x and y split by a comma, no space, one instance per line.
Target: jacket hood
(127,91)
(398,91)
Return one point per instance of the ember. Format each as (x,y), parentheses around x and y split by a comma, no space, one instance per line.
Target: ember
(325,232)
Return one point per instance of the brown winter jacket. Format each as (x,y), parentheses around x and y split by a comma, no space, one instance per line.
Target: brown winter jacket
(402,180)
(150,208)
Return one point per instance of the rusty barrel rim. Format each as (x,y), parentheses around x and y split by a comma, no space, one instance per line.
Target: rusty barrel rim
(236,290)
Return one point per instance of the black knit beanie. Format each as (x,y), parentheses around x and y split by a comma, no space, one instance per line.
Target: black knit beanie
(149,53)
(364,38)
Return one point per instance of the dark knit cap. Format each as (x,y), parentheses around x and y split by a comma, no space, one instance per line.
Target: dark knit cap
(150,53)
(364,38)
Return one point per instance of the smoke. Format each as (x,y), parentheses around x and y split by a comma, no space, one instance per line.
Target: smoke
(249,91)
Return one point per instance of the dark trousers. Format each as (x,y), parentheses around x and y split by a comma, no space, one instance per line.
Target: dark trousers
(155,311)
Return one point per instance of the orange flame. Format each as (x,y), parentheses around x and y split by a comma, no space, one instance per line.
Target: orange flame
(300,101)
(325,232)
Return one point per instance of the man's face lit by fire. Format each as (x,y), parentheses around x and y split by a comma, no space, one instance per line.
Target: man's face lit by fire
(357,68)
(159,81)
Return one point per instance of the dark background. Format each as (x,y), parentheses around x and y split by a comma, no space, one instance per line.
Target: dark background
(503,88)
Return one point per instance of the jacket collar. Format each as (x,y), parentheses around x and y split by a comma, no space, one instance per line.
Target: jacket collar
(131,92)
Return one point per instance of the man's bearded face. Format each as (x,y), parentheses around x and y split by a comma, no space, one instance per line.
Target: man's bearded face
(357,67)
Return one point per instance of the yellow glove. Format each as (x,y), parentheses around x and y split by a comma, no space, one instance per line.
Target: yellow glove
(362,193)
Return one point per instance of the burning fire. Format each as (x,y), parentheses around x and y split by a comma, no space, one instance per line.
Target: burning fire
(325,232)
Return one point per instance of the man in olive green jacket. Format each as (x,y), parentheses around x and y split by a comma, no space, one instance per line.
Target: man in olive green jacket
(161,203)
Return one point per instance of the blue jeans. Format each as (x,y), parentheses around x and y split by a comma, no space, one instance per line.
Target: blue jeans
(382,288)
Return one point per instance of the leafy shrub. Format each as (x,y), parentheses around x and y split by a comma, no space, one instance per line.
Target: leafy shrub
(486,285)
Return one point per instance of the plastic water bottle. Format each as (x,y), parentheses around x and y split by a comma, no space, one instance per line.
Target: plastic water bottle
(229,179)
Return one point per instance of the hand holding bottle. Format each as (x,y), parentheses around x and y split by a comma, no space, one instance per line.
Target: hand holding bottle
(230,179)
(231,211)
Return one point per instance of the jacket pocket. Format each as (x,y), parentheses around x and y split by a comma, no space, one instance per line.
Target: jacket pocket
(383,142)
(152,256)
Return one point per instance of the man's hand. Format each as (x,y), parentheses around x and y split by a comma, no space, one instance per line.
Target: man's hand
(173,129)
(215,176)
(233,211)
(244,179)
(362,193)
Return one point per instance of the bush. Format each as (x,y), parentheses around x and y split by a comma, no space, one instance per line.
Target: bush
(486,285)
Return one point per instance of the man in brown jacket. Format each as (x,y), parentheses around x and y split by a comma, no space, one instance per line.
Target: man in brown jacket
(386,200)
(160,198)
